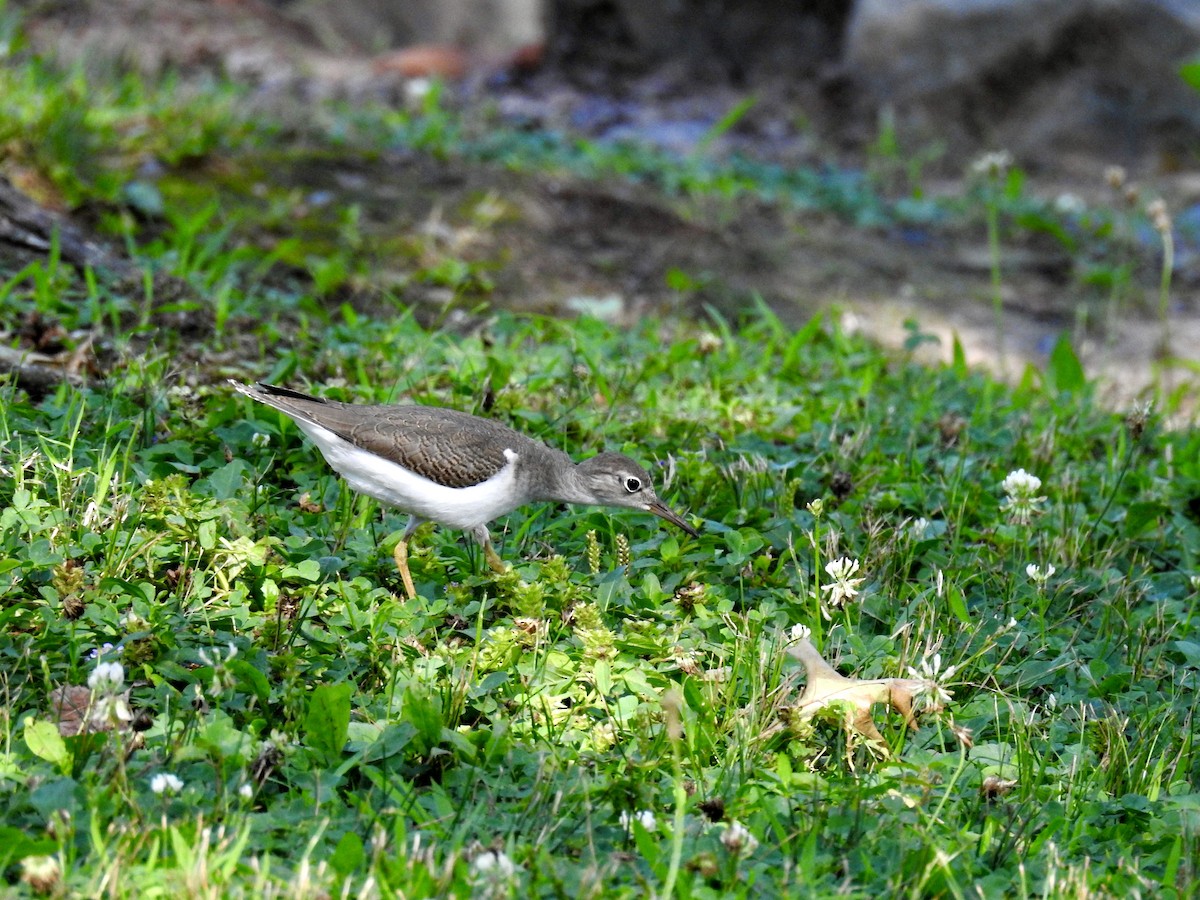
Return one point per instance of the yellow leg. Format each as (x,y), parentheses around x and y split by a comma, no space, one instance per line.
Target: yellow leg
(401,557)
(493,558)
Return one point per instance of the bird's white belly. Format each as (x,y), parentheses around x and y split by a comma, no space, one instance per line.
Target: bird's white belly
(394,485)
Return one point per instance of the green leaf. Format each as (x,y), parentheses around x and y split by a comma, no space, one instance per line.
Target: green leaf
(1190,651)
(425,714)
(15,844)
(305,570)
(1064,370)
(959,359)
(208,535)
(328,719)
(227,482)
(44,741)
(1190,71)
(391,741)
(602,673)
(348,855)
(1141,516)
(250,677)
(958,606)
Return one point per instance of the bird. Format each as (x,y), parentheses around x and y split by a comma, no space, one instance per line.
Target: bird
(453,468)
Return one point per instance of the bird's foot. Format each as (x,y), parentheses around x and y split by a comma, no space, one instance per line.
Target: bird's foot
(401,557)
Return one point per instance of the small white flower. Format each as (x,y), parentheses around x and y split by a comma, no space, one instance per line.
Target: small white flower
(166,783)
(843,587)
(1020,483)
(216,657)
(815,507)
(643,816)
(799,633)
(1039,576)
(1194,581)
(246,791)
(1069,205)
(416,90)
(493,866)
(930,694)
(103,650)
(918,528)
(738,840)
(993,164)
(110,711)
(260,439)
(107,678)
(1021,498)
(708,343)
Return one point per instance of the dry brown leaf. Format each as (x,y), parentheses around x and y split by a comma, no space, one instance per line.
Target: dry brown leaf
(827,688)
(78,711)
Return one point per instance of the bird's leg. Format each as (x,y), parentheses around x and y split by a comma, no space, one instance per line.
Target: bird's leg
(493,558)
(401,557)
(495,563)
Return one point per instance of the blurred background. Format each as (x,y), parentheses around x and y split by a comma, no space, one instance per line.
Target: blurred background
(1058,83)
(979,170)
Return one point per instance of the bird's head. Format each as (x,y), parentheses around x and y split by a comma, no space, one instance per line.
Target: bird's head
(616,480)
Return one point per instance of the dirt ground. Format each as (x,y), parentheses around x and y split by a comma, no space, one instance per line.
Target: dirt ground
(561,245)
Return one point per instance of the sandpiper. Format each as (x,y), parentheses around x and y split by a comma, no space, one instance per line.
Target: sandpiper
(450,467)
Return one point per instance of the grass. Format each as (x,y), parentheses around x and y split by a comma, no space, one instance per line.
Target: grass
(618,714)
(332,738)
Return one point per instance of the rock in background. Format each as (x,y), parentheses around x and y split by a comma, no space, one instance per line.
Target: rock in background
(1038,77)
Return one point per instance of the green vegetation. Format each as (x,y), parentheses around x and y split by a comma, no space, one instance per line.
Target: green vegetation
(212,687)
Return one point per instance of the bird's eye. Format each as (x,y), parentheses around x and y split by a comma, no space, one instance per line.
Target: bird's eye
(633,485)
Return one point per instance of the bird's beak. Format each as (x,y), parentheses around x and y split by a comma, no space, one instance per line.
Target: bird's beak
(663,511)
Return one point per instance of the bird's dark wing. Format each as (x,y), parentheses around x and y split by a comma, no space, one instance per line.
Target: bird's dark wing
(452,448)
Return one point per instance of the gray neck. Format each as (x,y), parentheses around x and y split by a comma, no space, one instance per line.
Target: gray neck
(550,475)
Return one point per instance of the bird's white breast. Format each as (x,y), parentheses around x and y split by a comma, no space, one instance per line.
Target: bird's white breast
(396,486)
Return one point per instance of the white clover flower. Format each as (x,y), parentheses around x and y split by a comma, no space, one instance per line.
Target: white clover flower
(107,678)
(993,164)
(43,874)
(223,677)
(708,343)
(110,711)
(416,90)
(929,673)
(166,783)
(738,840)
(918,527)
(493,868)
(246,791)
(815,507)
(1039,576)
(260,439)
(645,817)
(1156,211)
(1069,204)
(1020,483)
(215,657)
(843,587)
(1021,498)
(1194,581)
(799,633)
